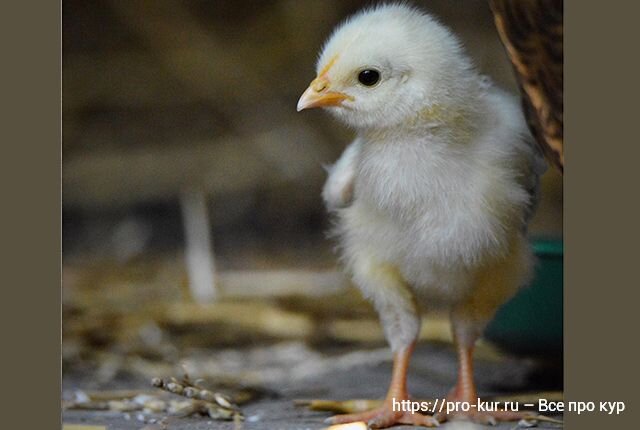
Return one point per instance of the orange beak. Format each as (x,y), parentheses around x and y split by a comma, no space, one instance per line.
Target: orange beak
(318,95)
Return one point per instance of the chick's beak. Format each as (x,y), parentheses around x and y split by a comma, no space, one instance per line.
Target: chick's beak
(319,95)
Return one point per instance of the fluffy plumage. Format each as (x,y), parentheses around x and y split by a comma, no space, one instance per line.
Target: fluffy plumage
(433,197)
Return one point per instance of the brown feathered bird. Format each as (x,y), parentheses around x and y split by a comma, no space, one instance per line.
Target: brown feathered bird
(532,33)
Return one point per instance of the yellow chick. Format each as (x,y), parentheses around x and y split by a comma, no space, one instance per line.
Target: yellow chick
(433,197)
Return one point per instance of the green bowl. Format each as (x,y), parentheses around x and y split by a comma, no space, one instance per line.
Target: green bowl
(531,322)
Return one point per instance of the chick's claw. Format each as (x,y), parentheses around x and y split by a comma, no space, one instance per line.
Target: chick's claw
(384,417)
(486,418)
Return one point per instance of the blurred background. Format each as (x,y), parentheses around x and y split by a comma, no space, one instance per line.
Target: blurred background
(193,223)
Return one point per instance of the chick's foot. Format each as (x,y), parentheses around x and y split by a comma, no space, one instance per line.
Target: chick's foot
(385,416)
(485,418)
(462,403)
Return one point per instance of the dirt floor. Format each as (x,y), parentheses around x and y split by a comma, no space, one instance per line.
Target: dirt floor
(292,370)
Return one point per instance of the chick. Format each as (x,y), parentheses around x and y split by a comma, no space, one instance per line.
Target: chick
(433,197)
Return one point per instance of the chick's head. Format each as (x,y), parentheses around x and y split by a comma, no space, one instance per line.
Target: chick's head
(385,65)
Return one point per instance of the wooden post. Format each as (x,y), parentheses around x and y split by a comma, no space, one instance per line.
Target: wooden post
(199,257)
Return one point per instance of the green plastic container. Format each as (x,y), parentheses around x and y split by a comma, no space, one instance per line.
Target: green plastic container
(531,322)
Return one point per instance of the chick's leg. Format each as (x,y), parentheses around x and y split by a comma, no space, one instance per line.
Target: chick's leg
(401,323)
(466,331)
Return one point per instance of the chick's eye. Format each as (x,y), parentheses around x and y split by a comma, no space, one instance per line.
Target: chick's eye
(369,77)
